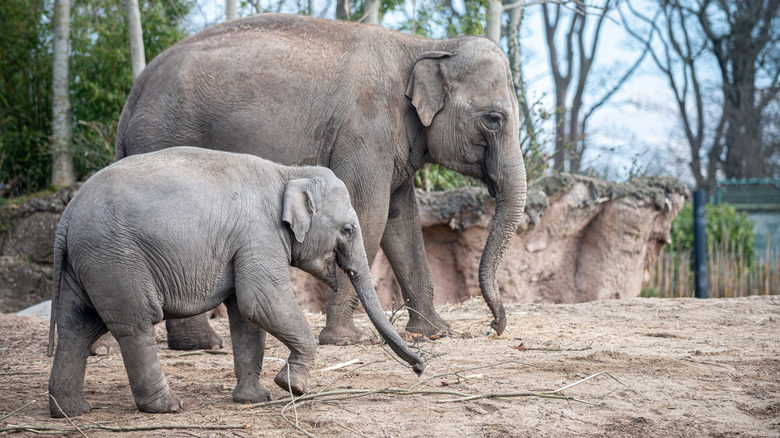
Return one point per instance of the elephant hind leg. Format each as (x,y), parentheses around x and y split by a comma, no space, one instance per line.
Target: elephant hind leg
(147,381)
(78,326)
(193,333)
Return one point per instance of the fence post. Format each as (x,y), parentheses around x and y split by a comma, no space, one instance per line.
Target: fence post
(700,242)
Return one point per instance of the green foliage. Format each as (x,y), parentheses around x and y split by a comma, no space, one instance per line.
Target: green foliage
(100,72)
(358,8)
(101,69)
(435,177)
(25,93)
(433,19)
(725,227)
(649,292)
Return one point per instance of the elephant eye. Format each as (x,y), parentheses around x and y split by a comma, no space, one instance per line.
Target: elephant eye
(491,121)
(347,231)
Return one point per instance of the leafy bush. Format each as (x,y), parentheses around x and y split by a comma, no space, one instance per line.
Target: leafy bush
(100,79)
(725,228)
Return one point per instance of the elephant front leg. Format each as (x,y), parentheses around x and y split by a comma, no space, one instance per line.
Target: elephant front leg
(404,247)
(147,381)
(248,350)
(193,333)
(271,304)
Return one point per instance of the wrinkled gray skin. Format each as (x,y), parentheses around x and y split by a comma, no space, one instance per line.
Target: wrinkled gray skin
(369,103)
(174,233)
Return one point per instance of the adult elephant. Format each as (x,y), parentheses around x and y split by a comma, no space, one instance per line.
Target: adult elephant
(371,104)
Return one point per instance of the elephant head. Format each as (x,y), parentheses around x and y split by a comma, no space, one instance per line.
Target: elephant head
(466,101)
(325,235)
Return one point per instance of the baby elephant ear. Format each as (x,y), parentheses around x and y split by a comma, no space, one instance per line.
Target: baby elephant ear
(427,86)
(298,207)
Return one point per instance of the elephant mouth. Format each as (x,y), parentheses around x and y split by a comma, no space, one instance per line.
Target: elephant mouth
(491,186)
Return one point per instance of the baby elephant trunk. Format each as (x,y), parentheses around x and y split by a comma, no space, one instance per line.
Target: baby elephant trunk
(361,280)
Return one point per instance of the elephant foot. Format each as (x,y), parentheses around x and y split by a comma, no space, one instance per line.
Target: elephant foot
(343,334)
(61,407)
(162,403)
(102,346)
(427,324)
(252,393)
(193,333)
(298,381)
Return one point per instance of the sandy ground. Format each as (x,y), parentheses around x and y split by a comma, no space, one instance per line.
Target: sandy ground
(674,367)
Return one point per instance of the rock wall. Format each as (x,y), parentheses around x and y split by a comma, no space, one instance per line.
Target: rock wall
(580,239)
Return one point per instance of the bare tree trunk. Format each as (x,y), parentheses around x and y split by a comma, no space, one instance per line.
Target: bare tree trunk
(137,56)
(231,9)
(513,44)
(342,9)
(372,11)
(63,172)
(493,21)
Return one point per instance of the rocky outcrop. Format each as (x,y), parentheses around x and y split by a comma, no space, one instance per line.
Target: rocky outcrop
(26,246)
(580,239)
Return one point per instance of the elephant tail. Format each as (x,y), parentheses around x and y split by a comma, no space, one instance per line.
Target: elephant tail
(60,253)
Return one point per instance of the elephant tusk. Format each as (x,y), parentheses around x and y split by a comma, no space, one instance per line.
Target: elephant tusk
(351,273)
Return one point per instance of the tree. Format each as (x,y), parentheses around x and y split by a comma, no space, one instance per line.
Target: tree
(684,39)
(678,54)
(25,96)
(565,139)
(231,9)
(372,11)
(136,38)
(99,74)
(743,36)
(342,10)
(63,173)
(575,63)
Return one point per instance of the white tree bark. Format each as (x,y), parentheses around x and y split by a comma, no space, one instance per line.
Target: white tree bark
(493,22)
(231,9)
(63,173)
(372,11)
(137,56)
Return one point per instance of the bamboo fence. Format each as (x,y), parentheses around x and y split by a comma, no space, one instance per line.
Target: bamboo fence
(729,273)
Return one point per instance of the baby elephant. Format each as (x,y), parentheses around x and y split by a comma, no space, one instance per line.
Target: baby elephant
(174,233)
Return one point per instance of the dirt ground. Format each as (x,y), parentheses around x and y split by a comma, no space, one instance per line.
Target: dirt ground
(658,367)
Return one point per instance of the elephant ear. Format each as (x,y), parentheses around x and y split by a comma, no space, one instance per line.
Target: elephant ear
(427,87)
(299,206)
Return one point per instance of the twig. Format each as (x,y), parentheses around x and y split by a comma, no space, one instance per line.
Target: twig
(49,429)
(199,352)
(292,396)
(340,365)
(292,401)
(68,418)
(19,374)
(590,377)
(17,410)
(353,393)
(349,429)
(524,348)
(464,370)
(550,394)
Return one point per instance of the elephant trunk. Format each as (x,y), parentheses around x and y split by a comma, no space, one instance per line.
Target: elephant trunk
(364,286)
(506,170)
